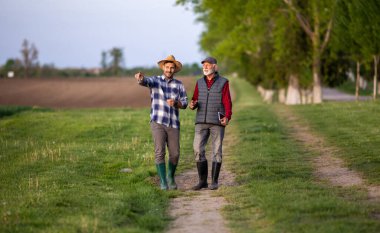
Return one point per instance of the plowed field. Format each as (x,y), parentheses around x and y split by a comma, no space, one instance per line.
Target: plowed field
(78,92)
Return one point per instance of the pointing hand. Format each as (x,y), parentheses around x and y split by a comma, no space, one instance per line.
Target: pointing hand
(139,76)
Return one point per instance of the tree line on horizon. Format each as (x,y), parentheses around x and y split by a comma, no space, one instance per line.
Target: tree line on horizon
(293,47)
(111,65)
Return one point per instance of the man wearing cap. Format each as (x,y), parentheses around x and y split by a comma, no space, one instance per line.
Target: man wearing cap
(212,100)
(167,95)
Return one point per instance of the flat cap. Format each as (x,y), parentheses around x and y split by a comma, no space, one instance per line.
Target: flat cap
(210,60)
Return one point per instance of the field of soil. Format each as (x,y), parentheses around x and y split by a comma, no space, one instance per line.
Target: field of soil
(78,92)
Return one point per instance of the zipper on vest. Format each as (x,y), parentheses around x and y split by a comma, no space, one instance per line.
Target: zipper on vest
(208,92)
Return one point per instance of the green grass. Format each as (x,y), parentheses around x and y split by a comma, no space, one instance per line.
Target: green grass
(11,110)
(353,128)
(350,88)
(60,171)
(278,191)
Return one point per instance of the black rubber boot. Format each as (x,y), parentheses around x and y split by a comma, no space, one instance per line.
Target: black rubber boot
(215,175)
(202,173)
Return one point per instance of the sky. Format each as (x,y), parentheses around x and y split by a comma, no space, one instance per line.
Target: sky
(73,33)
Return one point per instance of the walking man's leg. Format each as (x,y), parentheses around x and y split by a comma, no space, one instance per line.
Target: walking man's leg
(160,138)
(202,134)
(217,135)
(174,152)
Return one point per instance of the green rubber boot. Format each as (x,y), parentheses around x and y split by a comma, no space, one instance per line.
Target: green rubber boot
(171,171)
(161,170)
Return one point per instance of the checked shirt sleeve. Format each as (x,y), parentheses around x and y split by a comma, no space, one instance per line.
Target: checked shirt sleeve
(148,82)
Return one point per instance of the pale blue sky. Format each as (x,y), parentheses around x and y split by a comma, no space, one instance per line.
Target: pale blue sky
(73,33)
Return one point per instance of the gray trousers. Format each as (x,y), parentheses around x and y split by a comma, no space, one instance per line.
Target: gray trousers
(202,134)
(165,136)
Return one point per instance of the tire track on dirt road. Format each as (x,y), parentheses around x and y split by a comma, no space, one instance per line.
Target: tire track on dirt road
(328,166)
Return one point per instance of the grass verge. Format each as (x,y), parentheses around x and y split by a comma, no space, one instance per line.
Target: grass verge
(11,110)
(277,191)
(60,171)
(350,88)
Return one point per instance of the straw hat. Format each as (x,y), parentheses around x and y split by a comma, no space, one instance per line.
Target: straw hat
(170,58)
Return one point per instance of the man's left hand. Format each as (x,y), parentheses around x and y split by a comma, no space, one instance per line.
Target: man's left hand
(224,121)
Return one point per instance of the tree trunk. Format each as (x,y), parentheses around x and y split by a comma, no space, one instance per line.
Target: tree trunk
(268,96)
(317,84)
(362,83)
(306,96)
(309,97)
(357,80)
(303,95)
(318,46)
(376,61)
(261,90)
(282,95)
(293,93)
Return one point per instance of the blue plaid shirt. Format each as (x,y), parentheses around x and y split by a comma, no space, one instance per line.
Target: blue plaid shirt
(162,89)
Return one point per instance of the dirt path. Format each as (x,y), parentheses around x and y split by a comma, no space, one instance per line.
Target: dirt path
(328,166)
(200,211)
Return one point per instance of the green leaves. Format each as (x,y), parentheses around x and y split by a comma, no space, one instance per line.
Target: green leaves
(357,27)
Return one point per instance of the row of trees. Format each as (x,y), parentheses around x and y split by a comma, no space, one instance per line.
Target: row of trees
(26,66)
(358,33)
(112,65)
(293,44)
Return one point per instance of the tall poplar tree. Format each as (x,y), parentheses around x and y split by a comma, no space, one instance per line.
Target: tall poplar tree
(366,19)
(29,57)
(358,32)
(117,58)
(316,18)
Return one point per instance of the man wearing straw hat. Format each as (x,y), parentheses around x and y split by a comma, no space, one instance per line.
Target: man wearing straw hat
(168,95)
